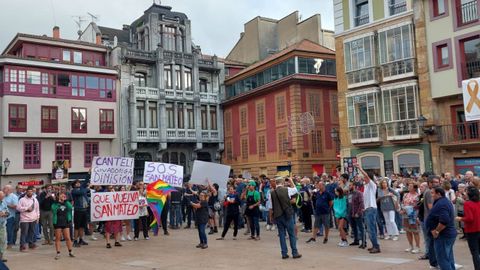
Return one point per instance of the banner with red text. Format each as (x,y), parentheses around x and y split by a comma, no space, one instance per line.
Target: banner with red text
(114,205)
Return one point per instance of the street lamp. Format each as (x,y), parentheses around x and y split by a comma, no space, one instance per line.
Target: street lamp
(6,163)
(422,120)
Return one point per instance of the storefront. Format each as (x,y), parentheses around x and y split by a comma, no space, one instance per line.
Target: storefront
(463,165)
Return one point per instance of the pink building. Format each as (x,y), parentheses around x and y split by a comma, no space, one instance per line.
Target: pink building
(57,102)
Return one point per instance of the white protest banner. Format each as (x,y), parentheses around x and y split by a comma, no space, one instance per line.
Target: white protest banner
(471,99)
(216,173)
(114,205)
(170,173)
(112,171)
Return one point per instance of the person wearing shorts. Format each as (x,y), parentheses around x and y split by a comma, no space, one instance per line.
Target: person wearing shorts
(80,215)
(62,218)
(323,203)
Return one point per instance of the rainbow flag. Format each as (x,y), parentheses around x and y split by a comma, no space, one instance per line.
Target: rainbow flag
(157,193)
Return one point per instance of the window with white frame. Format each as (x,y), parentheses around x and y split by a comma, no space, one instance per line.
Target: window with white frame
(360,60)
(361,10)
(400,109)
(396,50)
(363,115)
(397,6)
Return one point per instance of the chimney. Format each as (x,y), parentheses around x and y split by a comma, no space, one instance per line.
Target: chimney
(98,39)
(56,32)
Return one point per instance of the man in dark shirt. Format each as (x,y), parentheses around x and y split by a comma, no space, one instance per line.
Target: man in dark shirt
(175,209)
(46,199)
(282,213)
(80,212)
(440,224)
(323,203)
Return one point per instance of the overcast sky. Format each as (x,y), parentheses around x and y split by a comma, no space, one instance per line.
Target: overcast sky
(216,24)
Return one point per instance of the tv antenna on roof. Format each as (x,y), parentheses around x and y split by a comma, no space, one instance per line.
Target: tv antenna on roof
(79,20)
(94,17)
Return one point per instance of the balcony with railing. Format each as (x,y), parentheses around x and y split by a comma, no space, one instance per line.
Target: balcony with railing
(178,94)
(397,6)
(210,135)
(147,92)
(147,134)
(362,77)
(181,134)
(361,19)
(460,133)
(471,69)
(139,55)
(365,134)
(467,12)
(208,97)
(403,130)
(398,69)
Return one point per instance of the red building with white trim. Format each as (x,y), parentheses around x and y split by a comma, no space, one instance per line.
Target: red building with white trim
(58,101)
(261,102)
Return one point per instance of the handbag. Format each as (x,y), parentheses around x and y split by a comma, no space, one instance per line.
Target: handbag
(288,213)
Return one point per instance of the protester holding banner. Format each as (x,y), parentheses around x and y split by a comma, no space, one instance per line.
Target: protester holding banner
(213,206)
(128,224)
(201,218)
(113,227)
(62,219)
(142,214)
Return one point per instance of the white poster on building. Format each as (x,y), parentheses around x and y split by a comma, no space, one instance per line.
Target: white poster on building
(170,173)
(471,99)
(216,173)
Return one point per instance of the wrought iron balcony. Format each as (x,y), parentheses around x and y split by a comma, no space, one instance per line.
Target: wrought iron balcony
(471,69)
(468,132)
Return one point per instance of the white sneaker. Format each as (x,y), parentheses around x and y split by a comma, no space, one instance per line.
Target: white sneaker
(343,244)
(269,227)
(395,238)
(129,238)
(93,238)
(387,237)
(273,228)
(123,239)
(458,266)
(135,239)
(415,251)
(147,238)
(409,249)
(402,231)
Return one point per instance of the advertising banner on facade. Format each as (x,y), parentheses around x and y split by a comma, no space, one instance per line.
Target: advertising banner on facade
(170,173)
(115,171)
(471,99)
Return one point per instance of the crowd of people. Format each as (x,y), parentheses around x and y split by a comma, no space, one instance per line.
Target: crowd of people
(430,210)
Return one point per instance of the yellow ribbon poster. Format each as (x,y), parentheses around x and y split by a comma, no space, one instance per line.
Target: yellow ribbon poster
(471,99)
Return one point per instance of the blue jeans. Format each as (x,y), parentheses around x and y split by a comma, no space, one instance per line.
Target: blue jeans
(175,215)
(380,222)
(285,224)
(427,239)
(201,233)
(27,233)
(443,249)
(371,221)
(358,229)
(11,237)
(254,225)
(398,220)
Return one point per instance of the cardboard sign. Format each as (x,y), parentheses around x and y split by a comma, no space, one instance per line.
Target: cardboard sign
(216,173)
(471,99)
(115,171)
(60,171)
(170,173)
(114,205)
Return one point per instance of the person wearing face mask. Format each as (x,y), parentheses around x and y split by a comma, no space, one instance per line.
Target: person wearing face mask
(29,215)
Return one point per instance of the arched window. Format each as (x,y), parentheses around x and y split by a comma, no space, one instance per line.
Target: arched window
(174,158)
(372,162)
(409,162)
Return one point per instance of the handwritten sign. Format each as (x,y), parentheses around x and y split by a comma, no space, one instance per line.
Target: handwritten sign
(170,173)
(216,173)
(114,205)
(112,171)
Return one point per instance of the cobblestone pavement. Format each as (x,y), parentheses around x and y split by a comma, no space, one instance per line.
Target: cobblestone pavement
(177,251)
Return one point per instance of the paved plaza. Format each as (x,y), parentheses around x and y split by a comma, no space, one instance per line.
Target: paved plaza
(177,251)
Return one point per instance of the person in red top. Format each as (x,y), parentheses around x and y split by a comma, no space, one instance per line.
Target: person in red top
(472,224)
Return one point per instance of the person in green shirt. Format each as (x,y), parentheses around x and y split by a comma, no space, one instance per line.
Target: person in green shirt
(340,209)
(62,219)
(252,197)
